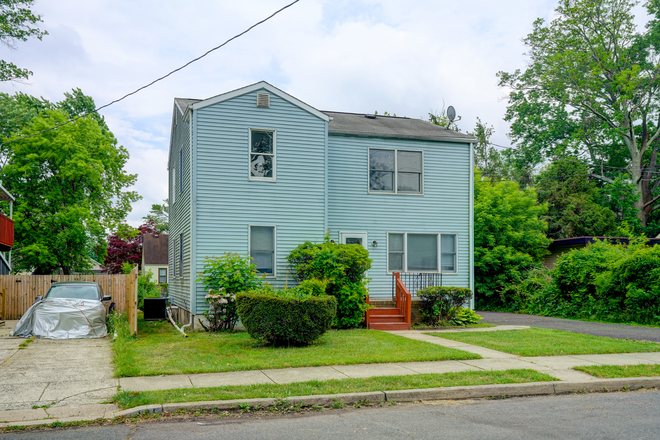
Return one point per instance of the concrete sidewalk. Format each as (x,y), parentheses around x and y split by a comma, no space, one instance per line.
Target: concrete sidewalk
(559,367)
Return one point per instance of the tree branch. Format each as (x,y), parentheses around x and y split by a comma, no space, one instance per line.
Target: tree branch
(651,201)
(603,178)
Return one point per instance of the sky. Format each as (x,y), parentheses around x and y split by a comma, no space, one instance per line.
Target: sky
(408,58)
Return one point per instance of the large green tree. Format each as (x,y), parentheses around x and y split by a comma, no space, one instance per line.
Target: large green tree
(592,89)
(159,214)
(509,237)
(573,201)
(70,187)
(17,23)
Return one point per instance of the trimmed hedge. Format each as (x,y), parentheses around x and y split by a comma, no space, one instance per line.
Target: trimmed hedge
(285,320)
(441,303)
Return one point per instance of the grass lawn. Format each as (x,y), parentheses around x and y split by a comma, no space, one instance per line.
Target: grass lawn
(160,349)
(548,342)
(128,399)
(614,371)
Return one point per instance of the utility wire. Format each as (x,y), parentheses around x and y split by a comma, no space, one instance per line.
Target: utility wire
(157,79)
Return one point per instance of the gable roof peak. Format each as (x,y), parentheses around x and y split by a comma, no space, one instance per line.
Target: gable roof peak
(254,87)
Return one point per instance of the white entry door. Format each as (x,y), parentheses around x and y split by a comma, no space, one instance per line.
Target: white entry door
(353,238)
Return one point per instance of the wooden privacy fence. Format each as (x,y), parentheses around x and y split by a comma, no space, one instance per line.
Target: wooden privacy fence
(20,291)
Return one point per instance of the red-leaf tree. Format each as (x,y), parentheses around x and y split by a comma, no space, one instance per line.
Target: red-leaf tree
(125,246)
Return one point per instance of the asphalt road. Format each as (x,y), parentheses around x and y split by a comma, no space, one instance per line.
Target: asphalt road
(619,331)
(631,415)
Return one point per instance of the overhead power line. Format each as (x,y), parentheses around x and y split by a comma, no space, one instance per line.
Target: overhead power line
(157,79)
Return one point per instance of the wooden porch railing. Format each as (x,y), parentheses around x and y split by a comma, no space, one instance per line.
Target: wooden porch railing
(6,233)
(402,298)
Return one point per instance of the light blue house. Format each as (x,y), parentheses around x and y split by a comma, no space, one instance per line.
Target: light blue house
(257,171)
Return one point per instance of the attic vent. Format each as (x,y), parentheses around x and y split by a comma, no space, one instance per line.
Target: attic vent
(263,100)
(370,116)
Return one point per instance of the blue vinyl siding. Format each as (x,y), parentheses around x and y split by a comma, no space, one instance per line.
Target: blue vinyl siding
(321,184)
(443,208)
(227,202)
(180,213)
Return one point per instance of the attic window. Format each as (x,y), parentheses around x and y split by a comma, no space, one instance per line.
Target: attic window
(263,100)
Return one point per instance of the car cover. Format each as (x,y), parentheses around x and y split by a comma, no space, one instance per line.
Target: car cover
(63,318)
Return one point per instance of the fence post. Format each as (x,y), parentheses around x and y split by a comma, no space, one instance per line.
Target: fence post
(4,305)
(131,300)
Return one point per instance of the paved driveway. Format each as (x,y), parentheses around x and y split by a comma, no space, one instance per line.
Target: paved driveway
(54,372)
(619,331)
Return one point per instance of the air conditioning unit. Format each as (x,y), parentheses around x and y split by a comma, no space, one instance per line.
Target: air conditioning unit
(155,309)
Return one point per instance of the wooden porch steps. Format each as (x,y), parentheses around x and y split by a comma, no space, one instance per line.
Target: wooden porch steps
(387,318)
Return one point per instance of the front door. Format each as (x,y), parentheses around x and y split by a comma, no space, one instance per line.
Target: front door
(353,238)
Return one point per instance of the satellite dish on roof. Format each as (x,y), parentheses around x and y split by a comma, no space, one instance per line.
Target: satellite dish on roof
(451,113)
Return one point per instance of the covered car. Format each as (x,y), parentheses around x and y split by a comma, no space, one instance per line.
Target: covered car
(69,310)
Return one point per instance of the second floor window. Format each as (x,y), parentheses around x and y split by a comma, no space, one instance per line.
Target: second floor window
(262,154)
(396,171)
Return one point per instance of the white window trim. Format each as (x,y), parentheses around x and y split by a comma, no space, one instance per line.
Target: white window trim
(165,269)
(180,170)
(274,275)
(174,256)
(173,184)
(405,252)
(352,234)
(262,179)
(395,190)
(181,255)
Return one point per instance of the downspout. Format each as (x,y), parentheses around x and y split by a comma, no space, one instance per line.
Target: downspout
(11,217)
(193,217)
(471,223)
(325,192)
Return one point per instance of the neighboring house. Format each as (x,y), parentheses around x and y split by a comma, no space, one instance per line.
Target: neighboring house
(563,245)
(257,171)
(6,232)
(154,256)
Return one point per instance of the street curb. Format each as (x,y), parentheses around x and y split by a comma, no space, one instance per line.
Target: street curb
(443,393)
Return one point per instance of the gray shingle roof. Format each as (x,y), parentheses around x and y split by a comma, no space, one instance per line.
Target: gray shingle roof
(154,248)
(357,124)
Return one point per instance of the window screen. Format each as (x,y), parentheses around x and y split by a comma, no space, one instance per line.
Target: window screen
(162,275)
(395,171)
(181,254)
(262,248)
(395,252)
(422,250)
(448,253)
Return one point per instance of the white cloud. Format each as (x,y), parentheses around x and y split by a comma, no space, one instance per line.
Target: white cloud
(343,55)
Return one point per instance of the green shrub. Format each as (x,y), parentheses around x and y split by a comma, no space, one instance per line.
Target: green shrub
(604,281)
(440,303)
(636,280)
(464,317)
(146,288)
(224,277)
(286,319)
(342,267)
(230,271)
